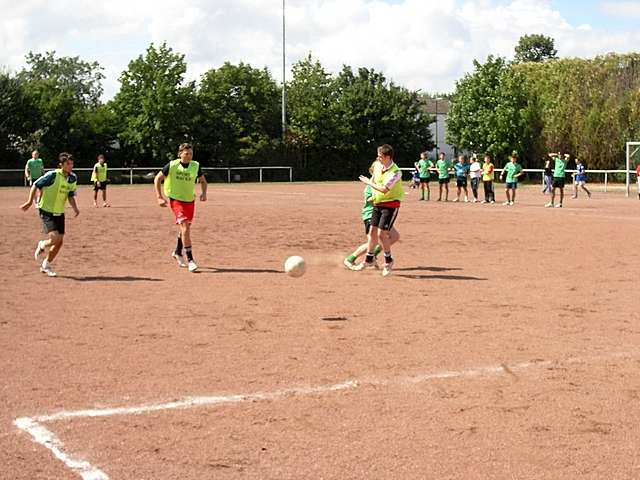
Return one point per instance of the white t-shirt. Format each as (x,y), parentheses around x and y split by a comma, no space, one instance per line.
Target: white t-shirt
(475,171)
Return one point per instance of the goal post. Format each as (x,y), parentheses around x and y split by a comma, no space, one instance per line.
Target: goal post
(633,159)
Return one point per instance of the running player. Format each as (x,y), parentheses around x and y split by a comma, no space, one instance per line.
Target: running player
(56,187)
(179,178)
(99,179)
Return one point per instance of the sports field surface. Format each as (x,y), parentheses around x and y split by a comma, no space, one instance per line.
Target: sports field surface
(506,345)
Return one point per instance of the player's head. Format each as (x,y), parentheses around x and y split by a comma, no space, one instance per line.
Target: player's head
(185,152)
(514,156)
(385,152)
(101,158)
(423,155)
(487,158)
(65,160)
(35,154)
(461,158)
(441,155)
(578,160)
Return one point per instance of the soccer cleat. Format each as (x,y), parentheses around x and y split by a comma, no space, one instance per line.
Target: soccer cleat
(106,205)
(39,250)
(455,200)
(364,266)
(48,270)
(192,266)
(506,203)
(559,205)
(349,264)
(548,205)
(179,259)
(386,271)
(511,203)
(466,200)
(484,201)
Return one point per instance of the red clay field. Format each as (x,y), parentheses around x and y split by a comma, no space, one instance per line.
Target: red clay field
(506,344)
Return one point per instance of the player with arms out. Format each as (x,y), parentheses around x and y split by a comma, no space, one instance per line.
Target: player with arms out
(179,177)
(56,187)
(559,167)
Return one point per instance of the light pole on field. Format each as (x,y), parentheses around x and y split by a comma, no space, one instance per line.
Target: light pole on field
(437,99)
(284,82)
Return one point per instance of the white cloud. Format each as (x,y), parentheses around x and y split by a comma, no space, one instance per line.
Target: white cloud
(421,44)
(621,9)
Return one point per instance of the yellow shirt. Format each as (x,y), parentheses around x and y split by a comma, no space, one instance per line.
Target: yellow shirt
(487,172)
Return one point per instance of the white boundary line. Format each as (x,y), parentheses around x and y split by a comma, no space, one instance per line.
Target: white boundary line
(45,437)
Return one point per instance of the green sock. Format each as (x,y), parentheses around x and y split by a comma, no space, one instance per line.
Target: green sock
(377,250)
(351,258)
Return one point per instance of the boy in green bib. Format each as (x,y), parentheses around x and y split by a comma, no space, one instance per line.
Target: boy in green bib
(559,164)
(99,179)
(424,166)
(179,177)
(56,187)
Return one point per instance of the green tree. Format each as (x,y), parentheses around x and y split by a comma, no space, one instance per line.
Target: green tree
(535,48)
(64,92)
(17,122)
(491,111)
(239,118)
(155,106)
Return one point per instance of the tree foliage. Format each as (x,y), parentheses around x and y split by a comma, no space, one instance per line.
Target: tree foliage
(535,48)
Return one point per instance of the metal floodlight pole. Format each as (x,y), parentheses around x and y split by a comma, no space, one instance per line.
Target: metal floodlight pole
(284,80)
(437,147)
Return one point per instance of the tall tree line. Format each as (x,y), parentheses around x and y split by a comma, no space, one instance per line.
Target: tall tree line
(231,115)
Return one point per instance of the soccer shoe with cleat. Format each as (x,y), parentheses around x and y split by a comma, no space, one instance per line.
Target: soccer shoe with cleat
(179,259)
(506,203)
(559,205)
(192,266)
(386,271)
(39,250)
(349,264)
(365,266)
(548,205)
(511,203)
(48,270)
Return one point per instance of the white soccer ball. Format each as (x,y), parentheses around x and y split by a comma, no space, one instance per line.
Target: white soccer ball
(295,266)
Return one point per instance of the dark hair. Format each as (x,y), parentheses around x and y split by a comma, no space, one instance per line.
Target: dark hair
(64,156)
(184,146)
(386,150)
(100,156)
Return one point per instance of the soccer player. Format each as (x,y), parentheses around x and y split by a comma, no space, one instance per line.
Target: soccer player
(548,177)
(443,166)
(462,172)
(513,170)
(559,167)
(34,168)
(424,165)
(487,180)
(180,177)
(366,214)
(638,179)
(475,172)
(580,179)
(387,196)
(99,179)
(56,187)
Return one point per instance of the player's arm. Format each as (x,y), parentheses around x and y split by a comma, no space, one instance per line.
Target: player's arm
(95,171)
(157,183)
(74,205)
(32,194)
(26,172)
(203,186)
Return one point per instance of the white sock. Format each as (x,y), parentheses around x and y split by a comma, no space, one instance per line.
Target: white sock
(45,263)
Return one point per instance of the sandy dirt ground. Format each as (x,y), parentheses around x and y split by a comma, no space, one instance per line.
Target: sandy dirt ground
(506,345)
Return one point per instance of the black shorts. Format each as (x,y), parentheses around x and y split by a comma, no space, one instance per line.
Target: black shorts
(103,186)
(511,185)
(424,179)
(442,181)
(384,217)
(51,222)
(558,182)
(367,226)
(461,181)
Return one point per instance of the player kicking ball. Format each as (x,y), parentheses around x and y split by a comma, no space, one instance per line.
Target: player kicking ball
(388,194)
(179,177)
